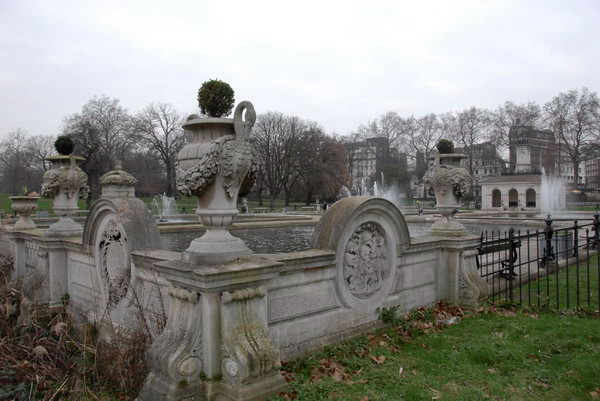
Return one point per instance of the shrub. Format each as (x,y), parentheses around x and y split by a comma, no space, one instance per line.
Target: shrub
(215,98)
(64,145)
(445,146)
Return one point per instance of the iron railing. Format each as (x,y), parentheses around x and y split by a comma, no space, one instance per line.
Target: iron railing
(554,267)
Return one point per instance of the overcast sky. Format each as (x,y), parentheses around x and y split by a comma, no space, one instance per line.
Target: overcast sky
(340,63)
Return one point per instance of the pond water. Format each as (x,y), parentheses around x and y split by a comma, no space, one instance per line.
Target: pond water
(291,239)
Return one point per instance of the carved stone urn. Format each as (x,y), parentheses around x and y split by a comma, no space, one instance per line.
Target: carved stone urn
(24,206)
(66,183)
(450,182)
(216,166)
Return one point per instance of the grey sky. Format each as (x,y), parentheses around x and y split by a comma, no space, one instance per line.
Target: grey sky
(340,63)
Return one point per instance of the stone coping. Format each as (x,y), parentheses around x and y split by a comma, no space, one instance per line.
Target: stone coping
(65,157)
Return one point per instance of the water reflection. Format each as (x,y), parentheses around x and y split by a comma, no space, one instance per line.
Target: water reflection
(291,239)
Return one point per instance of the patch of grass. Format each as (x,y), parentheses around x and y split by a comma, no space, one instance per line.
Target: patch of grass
(44,204)
(497,354)
(569,288)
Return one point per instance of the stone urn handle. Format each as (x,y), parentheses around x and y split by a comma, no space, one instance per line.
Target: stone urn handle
(243,127)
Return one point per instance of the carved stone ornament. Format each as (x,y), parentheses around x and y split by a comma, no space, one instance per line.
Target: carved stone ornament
(247,351)
(232,156)
(471,286)
(36,270)
(72,180)
(114,263)
(365,267)
(118,177)
(449,178)
(175,357)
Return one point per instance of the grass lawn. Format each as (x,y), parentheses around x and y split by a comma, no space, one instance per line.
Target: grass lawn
(567,289)
(498,355)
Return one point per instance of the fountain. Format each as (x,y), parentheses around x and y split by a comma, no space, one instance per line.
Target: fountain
(552,194)
(388,192)
(164,206)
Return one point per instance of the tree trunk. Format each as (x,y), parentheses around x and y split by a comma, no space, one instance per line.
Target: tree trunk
(308,197)
(260,197)
(286,195)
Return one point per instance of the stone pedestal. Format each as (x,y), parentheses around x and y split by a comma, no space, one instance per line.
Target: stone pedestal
(465,284)
(40,272)
(216,344)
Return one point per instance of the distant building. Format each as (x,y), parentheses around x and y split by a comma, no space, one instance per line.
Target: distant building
(366,159)
(486,163)
(592,173)
(536,148)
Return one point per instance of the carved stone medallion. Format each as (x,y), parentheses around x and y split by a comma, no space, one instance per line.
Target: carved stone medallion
(114,263)
(365,267)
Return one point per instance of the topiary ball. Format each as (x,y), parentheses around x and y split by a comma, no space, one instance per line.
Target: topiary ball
(445,146)
(215,98)
(64,145)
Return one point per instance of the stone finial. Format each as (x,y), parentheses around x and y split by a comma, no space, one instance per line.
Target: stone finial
(118,183)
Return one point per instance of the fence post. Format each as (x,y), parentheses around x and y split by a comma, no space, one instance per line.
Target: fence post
(549,251)
(575,241)
(596,227)
(511,263)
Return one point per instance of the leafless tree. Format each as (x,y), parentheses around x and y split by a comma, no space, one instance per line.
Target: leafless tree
(16,165)
(574,117)
(40,147)
(275,137)
(509,115)
(102,132)
(389,126)
(159,129)
(471,127)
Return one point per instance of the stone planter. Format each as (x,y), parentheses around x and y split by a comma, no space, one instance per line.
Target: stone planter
(450,182)
(215,166)
(24,206)
(66,183)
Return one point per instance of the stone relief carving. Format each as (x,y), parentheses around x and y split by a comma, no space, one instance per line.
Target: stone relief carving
(72,180)
(365,267)
(114,264)
(176,355)
(470,284)
(36,269)
(247,350)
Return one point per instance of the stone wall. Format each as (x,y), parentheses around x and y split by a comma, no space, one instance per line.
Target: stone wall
(363,260)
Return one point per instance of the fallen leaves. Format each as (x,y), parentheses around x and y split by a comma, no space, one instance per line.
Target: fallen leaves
(379,360)
(595,393)
(328,367)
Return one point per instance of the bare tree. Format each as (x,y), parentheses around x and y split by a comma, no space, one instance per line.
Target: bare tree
(40,147)
(15,163)
(388,125)
(159,128)
(509,115)
(102,132)
(574,117)
(471,127)
(276,148)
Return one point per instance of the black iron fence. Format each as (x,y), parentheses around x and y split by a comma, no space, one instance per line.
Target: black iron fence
(557,267)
